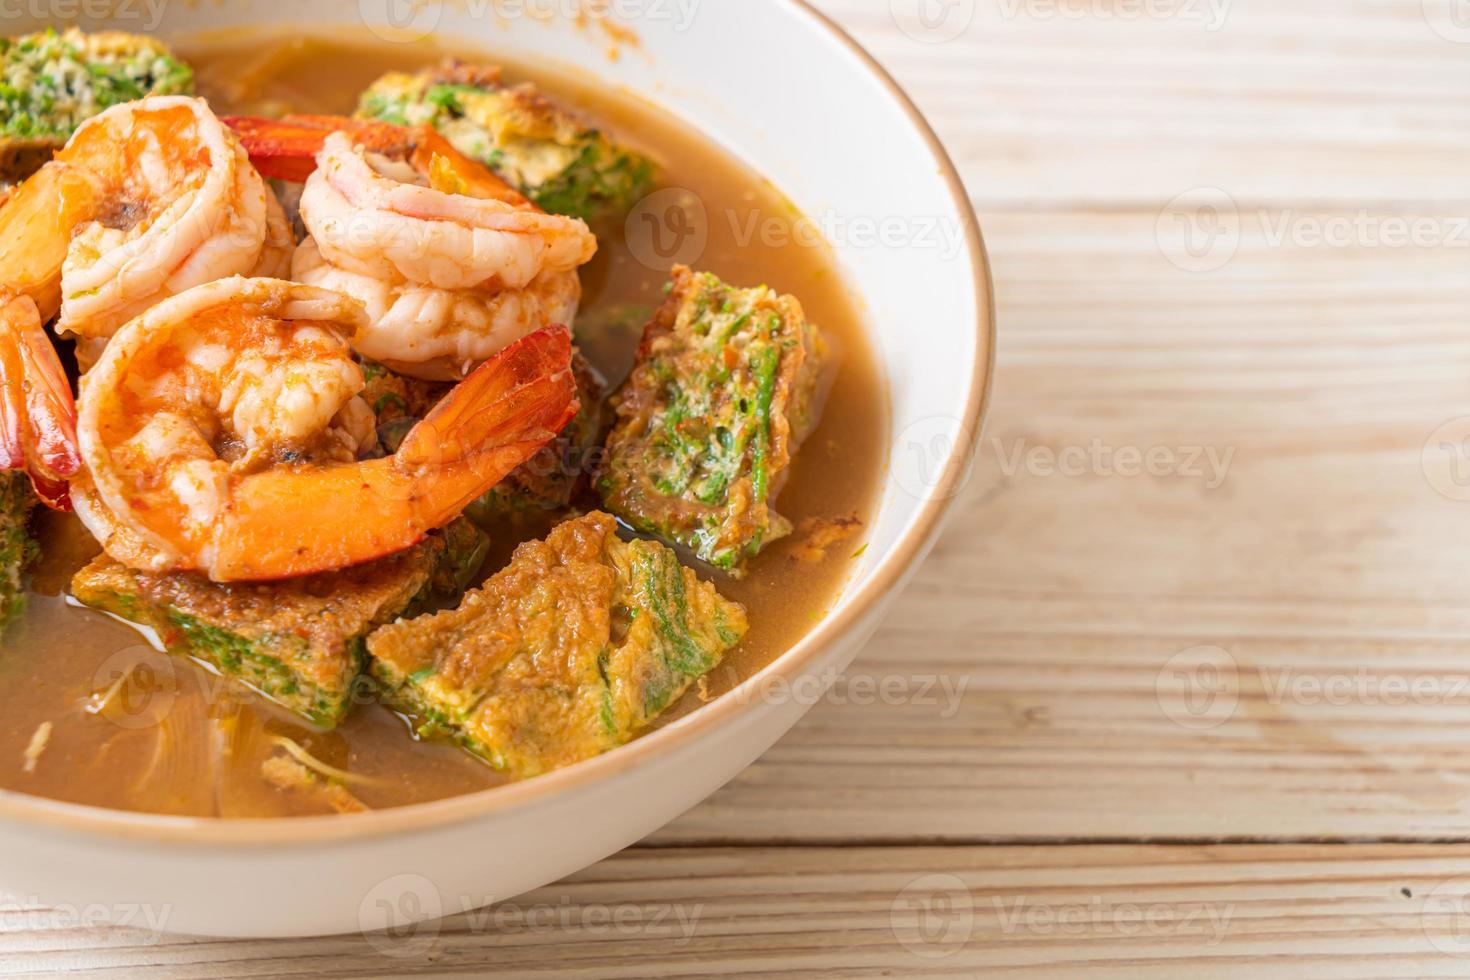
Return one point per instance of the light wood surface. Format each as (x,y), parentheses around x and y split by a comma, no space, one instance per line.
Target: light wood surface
(1273,651)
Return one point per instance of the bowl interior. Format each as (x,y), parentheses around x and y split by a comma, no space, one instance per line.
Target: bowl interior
(781,91)
(773,84)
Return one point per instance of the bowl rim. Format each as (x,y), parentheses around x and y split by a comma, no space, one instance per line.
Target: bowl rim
(913,544)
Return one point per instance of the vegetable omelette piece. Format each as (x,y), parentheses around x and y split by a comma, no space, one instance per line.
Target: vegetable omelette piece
(726,385)
(51,83)
(548,154)
(17,548)
(582,640)
(300,642)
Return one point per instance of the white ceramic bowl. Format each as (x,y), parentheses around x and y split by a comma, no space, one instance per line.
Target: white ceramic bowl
(785,90)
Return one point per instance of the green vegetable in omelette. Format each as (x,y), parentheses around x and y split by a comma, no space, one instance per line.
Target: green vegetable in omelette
(300,641)
(567,652)
(50,83)
(548,154)
(726,386)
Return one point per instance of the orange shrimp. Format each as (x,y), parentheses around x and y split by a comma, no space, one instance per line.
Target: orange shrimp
(37,413)
(451,263)
(146,199)
(286,149)
(220,434)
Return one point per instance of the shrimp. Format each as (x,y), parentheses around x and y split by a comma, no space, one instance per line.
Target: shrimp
(37,415)
(442,293)
(279,246)
(220,433)
(145,200)
(369,219)
(440,334)
(181,206)
(464,230)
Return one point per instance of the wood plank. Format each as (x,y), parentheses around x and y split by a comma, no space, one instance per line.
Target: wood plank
(1053,912)
(1068,103)
(1025,663)
(1324,566)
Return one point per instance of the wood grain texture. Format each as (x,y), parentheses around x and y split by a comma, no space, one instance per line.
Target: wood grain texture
(1323,565)
(1045,912)
(1109,103)
(1271,646)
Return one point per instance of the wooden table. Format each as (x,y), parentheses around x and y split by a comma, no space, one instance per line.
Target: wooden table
(1184,686)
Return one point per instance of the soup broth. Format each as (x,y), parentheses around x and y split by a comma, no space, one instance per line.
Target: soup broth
(95,714)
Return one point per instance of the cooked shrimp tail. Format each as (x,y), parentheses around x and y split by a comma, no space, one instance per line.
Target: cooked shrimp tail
(224,432)
(506,407)
(38,417)
(294,521)
(286,149)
